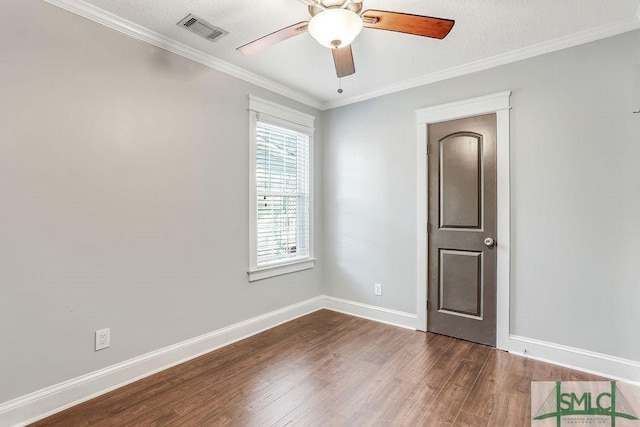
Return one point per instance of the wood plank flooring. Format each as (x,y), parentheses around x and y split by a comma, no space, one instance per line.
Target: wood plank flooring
(330,369)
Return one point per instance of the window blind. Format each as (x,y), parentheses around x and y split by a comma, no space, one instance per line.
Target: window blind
(282,191)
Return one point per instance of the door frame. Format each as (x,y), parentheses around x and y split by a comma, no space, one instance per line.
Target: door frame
(498,103)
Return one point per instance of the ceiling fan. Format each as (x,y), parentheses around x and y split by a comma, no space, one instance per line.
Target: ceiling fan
(336,23)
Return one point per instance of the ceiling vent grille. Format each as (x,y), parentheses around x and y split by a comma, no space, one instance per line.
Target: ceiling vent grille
(202,28)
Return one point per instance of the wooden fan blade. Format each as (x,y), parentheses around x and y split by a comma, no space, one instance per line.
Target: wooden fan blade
(418,25)
(343,58)
(269,40)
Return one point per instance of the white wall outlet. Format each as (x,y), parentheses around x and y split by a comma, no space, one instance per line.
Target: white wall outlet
(103,338)
(378,289)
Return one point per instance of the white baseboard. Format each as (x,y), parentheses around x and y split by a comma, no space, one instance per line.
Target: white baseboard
(45,402)
(570,357)
(371,312)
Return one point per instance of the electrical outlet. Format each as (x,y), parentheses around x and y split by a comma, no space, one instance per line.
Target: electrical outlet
(378,289)
(103,338)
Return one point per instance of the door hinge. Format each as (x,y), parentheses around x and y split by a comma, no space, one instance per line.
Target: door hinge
(428,149)
(428,305)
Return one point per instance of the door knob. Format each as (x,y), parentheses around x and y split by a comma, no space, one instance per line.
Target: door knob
(489,242)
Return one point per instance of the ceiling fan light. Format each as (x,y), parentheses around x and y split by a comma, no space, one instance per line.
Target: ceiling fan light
(335,27)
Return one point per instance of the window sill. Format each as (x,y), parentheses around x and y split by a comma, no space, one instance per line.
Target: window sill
(280,269)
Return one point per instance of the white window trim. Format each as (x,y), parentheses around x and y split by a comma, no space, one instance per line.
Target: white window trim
(295,120)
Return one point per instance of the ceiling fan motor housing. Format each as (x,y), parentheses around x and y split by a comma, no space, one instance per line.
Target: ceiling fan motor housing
(353,6)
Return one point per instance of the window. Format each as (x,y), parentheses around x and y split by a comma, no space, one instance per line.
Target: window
(281,202)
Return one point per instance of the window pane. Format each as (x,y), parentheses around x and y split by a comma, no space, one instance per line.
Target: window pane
(282,183)
(282,227)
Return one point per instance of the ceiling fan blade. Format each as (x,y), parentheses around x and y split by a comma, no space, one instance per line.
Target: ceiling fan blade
(405,23)
(269,40)
(343,58)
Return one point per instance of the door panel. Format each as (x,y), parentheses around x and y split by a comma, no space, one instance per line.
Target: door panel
(462,213)
(461,282)
(460,181)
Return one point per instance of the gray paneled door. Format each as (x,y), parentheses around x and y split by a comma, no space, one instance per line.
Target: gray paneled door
(462,229)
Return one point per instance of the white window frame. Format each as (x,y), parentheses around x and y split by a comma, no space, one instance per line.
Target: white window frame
(270,112)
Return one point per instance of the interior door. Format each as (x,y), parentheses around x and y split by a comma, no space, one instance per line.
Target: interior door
(462,229)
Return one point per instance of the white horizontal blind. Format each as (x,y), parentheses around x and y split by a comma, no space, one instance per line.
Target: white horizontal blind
(282,191)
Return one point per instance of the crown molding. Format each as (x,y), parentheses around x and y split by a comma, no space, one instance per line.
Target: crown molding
(139,32)
(93,13)
(572,40)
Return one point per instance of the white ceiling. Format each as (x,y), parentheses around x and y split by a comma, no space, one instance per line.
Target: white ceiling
(486,33)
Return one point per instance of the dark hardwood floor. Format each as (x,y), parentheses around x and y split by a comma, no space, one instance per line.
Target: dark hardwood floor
(330,369)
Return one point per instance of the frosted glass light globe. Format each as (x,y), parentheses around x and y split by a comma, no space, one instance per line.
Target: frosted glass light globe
(335,27)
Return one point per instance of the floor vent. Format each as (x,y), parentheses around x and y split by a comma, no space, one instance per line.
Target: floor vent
(202,28)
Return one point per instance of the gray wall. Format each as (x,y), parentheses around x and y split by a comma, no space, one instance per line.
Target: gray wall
(123,188)
(123,183)
(575,190)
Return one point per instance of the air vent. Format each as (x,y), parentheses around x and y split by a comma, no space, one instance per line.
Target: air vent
(202,28)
